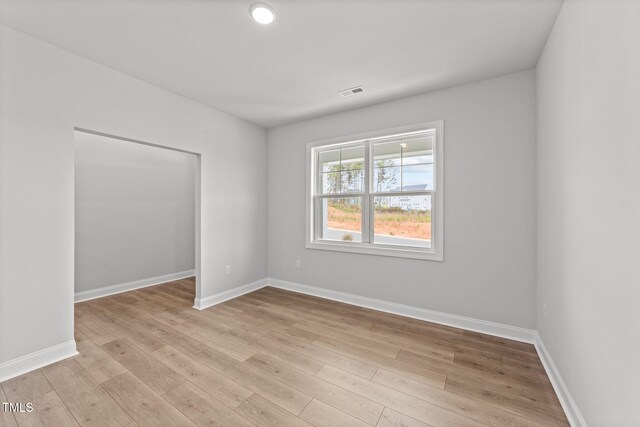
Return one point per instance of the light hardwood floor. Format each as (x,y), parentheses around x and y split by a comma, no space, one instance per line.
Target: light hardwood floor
(277,358)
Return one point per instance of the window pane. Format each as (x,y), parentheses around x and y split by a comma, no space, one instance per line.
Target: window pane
(341,219)
(352,158)
(342,170)
(329,161)
(353,169)
(417,150)
(386,179)
(330,183)
(353,181)
(418,177)
(386,154)
(402,220)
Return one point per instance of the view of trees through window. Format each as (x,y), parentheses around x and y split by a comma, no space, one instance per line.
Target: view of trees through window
(352,180)
(402,173)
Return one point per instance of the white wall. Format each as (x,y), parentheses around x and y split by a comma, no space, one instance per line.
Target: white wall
(489,249)
(46,92)
(588,156)
(134,211)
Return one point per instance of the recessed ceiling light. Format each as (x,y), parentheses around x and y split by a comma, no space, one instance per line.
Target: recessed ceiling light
(262,13)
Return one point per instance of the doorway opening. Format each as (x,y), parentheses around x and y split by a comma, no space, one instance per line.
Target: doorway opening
(137,220)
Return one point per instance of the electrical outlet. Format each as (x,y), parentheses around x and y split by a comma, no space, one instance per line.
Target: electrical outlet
(298,264)
(227,269)
(544,310)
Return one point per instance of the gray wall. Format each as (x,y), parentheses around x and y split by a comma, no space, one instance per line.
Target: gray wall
(45,93)
(134,212)
(489,249)
(588,159)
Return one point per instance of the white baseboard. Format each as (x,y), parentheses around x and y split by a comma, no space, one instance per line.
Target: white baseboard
(202,303)
(129,286)
(568,404)
(468,323)
(35,360)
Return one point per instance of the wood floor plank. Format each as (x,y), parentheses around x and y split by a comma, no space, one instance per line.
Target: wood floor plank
(149,370)
(528,382)
(224,310)
(371,345)
(170,317)
(274,349)
(238,305)
(248,376)
(533,365)
(483,392)
(398,339)
(345,400)
(430,328)
(359,318)
(27,387)
(404,403)
(145,406)
(381,318)
(446,340)
(150,301)
(162,298)
(87,401)
(213,382)
(502,342)
(245,322)
(537,386)
(123,327)
(171,337)
(314,312)
(307,336)
(202,409)
(262,412)
(6,418)
(347,317)
(438,339)
(126,298)
(279,393)
(223,321)
(481,412)
(468,357)
(321,414)
(98,331)
(232,348)
(97,362)
(147,301)
(127,312)
(252,316)
(358,367)
(208,319)
(49,410)
(391,418)
(181,294)
(430,377)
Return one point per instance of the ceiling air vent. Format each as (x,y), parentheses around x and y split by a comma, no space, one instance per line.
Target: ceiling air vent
(349,92)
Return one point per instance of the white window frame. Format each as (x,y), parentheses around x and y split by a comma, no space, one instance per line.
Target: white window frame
(435,252)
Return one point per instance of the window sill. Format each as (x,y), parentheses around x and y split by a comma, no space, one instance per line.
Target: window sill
(369,249)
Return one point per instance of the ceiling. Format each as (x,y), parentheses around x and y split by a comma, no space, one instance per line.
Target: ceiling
(212,52)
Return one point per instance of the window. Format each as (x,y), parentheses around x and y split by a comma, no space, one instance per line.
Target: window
(379,193)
